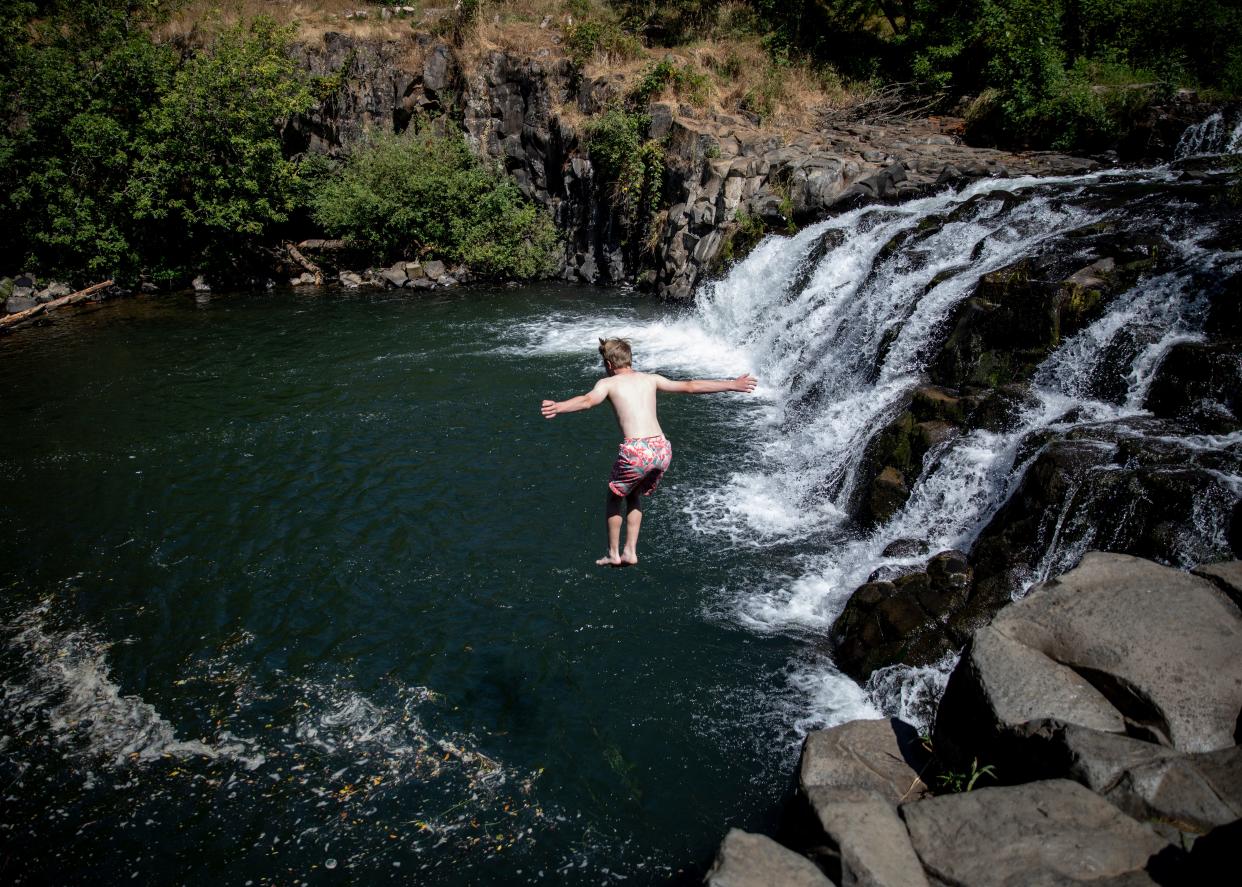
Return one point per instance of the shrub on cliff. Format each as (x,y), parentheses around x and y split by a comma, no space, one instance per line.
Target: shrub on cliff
(629,169)
(424,193)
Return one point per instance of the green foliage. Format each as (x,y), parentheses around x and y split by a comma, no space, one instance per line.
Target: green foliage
(762,99)
(585,39)
(425,194)
(211,171)
(630,168)
(959,781)
(685,82)
(74,84)
(668,22)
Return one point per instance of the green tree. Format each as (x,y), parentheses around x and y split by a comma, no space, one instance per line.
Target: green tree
(75,80)
(211,179)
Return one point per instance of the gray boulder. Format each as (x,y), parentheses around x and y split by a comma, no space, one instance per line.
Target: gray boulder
(1227,576)
(1119,645)
(350,279)
(1192,792)
(746,860)
(1043,833)
(884,756)
(394,276)
(853,776)
(868,843)
(434,269)
(18,303)
(53,290)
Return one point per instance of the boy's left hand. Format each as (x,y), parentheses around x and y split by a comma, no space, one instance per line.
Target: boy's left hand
(548,409)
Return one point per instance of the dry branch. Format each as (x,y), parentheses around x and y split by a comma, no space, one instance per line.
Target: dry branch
(70,299)
(892,103)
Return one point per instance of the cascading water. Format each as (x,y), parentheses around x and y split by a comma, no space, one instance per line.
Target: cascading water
(840,322)
(1212,135)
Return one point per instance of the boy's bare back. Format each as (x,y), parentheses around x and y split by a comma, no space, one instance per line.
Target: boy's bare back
(633,399)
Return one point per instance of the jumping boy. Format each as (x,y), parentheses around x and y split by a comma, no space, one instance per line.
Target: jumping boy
(645,452)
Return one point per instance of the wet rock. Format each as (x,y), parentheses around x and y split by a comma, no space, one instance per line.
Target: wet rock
(350,279)
(1118,645)
(905,548)
(1100,483)
(1053,832)
(888,494)
(905,620)
(434,269)
(746,860)
(1200,385)
(200,284)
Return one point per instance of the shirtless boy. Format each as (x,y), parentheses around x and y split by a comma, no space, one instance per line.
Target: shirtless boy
(645,452)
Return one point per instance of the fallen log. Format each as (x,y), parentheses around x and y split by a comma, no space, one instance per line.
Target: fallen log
(306,263)
(323,244)
(72,298)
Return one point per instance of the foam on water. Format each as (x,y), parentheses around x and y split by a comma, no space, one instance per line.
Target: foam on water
(65,686)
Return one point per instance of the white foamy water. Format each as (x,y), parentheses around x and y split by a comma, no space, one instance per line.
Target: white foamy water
(839,322)
(67,688)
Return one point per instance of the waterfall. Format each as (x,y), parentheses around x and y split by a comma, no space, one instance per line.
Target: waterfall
(1210,136)
(840,322)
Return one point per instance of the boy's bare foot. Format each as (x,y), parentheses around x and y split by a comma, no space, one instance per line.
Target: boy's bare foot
(629,559)
(609,560)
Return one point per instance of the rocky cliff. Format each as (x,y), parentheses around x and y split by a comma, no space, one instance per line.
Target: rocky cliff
(527,113)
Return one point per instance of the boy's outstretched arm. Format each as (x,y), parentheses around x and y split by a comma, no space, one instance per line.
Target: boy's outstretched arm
(593,398)
(744,383)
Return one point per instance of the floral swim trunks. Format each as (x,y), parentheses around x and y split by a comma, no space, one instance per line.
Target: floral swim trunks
(641,462)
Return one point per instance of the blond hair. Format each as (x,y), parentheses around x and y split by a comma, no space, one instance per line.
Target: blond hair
(615,352)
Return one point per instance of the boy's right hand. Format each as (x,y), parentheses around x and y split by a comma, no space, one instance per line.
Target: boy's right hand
(548,409)
(745,382)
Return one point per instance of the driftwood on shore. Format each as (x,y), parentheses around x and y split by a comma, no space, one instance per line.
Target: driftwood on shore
(309,266)
(71,299)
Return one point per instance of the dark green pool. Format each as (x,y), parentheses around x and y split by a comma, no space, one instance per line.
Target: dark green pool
(300,589)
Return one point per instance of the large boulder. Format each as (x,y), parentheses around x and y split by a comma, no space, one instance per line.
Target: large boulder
(853,776)
(885,756)
(1043,833)
(746,860)
(905,619)
(1191,792)
(869,845)
(1200,385)
(1119,645)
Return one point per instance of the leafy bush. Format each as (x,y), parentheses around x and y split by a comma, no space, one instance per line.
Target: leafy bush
(631,169)
(425,194)
(585,39)
(685,81)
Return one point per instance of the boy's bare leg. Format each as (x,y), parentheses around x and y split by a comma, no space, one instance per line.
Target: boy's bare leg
(614,507)
(633,521)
